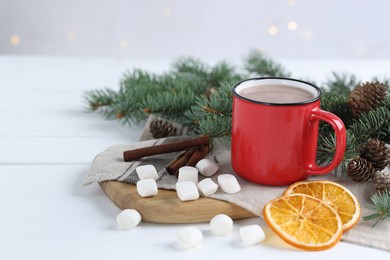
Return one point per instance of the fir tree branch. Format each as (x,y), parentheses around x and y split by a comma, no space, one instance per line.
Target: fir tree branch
(172,94)
(98,99)
(337,105)
(142,93)
(216,126)
(223,72)
(178,101)
(192,66)
(380,205)
(256,63)
(373,124)
(212,114)
(326,151)
(340,84)
(385,80)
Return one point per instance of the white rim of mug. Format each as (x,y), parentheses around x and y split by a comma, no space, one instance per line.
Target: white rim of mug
(287,81)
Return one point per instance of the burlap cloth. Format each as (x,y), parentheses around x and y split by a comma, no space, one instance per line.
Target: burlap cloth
(109,165)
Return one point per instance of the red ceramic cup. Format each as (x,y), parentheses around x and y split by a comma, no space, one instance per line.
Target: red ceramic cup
(275,142)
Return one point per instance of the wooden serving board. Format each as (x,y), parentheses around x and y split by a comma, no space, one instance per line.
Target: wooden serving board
(165,207)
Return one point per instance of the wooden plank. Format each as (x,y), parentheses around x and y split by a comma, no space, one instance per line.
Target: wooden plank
(66,123)
(41,101)
(55,149)
(52,181)
(165,207)
(69,73)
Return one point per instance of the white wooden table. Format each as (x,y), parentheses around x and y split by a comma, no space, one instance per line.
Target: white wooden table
(47,142)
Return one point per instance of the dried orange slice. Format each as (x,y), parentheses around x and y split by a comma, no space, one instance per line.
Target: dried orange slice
(304,221)
(334,195)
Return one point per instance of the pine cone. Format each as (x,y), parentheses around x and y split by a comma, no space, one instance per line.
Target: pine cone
(360,170)
(366,97)
(160,128)
(376,152)
(382,179)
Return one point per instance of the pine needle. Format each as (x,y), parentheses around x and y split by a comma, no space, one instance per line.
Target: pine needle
(380,205)
(257,63)
(341,84)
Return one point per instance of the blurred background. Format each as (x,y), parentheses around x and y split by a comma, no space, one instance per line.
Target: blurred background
(209,29)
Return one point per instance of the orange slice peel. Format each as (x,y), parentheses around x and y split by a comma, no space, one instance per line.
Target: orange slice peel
(304,221)
(334,195)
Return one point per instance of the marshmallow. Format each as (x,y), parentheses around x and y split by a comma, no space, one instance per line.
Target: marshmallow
(146,172)
(207,167)
(188,173)
(128,219)
(147,187)
(207,186)
(221,224)
(228,183)
(187,190)
(252,234)
(189,237)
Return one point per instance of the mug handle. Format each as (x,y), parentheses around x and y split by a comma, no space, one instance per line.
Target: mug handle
(339,128)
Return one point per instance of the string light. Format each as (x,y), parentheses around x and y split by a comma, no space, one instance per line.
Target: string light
(360,48)
(123,43)
(167,11)
(291,2)
(14,39)
(272,30)
(71,37)
(262,49)
(292,26)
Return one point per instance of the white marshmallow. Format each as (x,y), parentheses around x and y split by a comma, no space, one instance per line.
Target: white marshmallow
(228,183)
(146,172)
(207,167)
(252,234)
(187,190)
(207,186)
(188,173)
(128,219)
(221,224)
(189,237)
(147,187)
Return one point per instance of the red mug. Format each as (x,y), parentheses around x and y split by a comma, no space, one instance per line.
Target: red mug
(275,131)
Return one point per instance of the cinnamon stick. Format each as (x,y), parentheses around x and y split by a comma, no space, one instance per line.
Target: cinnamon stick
(189,158)
(178,162)
(134,154)
(175,160)
(198,155)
